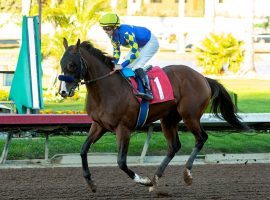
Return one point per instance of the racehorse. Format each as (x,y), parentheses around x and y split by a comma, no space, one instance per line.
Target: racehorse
(113,106)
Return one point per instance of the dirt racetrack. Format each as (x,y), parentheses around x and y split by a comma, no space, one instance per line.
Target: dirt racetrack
(239,181)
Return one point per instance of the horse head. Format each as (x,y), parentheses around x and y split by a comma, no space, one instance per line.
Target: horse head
(78,62)
(73,69)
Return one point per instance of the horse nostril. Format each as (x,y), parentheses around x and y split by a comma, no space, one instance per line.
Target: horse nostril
(63,93)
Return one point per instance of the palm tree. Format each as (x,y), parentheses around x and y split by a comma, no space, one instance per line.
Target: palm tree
(13,8)
(70,19)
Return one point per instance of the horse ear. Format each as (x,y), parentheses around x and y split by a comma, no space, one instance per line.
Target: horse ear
(78,44)
(65,42)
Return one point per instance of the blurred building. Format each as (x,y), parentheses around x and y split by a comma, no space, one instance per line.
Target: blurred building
(179,25)
(9,50)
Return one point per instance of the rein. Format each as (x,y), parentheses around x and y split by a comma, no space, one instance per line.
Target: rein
(83,63)
(96,79)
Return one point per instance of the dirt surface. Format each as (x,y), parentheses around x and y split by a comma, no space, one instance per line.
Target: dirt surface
(239,181)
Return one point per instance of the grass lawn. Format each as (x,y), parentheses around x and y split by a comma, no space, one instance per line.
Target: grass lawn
(225,142)
(253,96)
(65,105)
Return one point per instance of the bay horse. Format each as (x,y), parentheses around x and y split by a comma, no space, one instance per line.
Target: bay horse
(113,107)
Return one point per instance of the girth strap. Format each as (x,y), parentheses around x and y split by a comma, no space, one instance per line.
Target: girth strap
(144,108)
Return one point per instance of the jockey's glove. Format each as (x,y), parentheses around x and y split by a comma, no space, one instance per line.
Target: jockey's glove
(117,67)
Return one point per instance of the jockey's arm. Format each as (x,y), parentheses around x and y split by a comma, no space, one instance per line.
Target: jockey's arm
(130,38)
(116,52)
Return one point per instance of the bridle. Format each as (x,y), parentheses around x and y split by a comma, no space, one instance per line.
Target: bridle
(83,69)
(82,73)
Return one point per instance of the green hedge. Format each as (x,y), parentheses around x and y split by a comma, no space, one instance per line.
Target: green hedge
(220,53)
(4,95)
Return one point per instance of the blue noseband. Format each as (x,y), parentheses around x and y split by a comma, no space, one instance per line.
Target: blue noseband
(65,78)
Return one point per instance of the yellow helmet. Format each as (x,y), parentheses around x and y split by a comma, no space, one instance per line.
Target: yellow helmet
(109,19)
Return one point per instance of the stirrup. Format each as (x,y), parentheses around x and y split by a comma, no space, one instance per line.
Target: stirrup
(145,96)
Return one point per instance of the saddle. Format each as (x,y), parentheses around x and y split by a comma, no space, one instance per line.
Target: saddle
(159,82)
(160,86)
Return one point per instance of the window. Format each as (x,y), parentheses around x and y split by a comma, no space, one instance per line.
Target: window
(194,8)
(6,79)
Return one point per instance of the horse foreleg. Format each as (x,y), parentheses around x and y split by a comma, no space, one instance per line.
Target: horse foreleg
(95,133)
(123,138)
(86,171)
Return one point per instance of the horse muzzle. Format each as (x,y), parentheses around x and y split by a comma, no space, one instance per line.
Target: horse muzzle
(63,94)
(65,91)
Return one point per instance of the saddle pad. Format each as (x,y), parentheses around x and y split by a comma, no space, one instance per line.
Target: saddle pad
(160,85)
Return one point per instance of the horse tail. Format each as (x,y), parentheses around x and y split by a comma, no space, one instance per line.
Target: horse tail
(223,106)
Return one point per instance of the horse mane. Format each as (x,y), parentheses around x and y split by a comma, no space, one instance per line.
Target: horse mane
(98,53)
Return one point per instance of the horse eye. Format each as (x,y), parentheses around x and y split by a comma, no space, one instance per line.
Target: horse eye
(71,67)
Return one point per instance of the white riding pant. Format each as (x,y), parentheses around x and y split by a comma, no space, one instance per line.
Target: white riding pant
(146,53)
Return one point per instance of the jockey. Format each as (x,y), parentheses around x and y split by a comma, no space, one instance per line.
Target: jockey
(142,43)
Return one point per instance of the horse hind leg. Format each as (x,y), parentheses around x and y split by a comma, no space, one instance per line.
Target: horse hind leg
(200,137)
(170,129)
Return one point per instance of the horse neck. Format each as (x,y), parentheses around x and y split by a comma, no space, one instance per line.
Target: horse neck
(105,87)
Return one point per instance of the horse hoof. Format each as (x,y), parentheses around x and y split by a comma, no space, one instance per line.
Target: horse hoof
(155,184)
(92,185)
(150,184)
(94,188)
(188,177)
(152,189)
(143,180)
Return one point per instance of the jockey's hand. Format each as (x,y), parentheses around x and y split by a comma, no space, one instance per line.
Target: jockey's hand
(117,67)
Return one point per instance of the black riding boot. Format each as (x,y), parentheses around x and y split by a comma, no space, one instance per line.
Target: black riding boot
(146,84)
